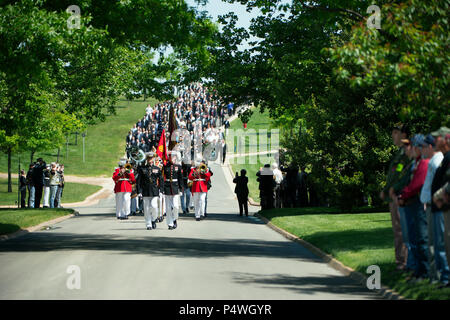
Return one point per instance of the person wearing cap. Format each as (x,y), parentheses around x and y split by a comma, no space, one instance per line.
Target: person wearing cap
(435,221)
(186,194)
(149,183)
(442,141)
(406,221)
(395,172)
(410,198)
(172,186)
(199,189)
(123,180)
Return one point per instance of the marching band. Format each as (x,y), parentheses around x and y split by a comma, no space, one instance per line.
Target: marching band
(161,188)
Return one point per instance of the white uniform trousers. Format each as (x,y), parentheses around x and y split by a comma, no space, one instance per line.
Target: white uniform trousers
(162,207)
(199,203)
(123,204)
(172,207)
(119,200)
(150,210)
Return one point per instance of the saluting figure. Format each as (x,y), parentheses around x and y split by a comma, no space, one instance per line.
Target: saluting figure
(149,184)
(123,178)
(173,180)
(200,177)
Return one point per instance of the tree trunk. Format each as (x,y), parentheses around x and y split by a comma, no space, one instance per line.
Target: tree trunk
(32,156)
(9,171)
(59,150)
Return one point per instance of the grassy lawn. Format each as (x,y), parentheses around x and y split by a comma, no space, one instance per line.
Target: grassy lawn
(104,144)
(357,240)
(12,220)
(73,192)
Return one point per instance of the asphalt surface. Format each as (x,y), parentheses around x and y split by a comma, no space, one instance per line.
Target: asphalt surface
(222,257)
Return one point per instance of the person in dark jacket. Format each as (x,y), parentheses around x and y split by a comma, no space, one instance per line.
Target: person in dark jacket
(23,188)
(241,191)
(266,187)
(30,185)
(38,181)
(149,183)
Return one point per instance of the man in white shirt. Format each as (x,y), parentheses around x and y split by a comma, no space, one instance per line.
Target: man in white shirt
(436,250)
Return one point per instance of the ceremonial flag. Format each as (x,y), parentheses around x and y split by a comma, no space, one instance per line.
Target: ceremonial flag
(162,150)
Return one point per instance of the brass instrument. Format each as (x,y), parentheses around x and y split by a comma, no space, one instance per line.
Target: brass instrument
(202,168)
(128,168)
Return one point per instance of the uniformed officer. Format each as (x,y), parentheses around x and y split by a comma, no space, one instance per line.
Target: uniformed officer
(172,188)
(123,178)
(200,176)
(149,183)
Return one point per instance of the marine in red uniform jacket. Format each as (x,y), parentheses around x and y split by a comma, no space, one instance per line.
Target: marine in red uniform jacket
(124,181)
(200,180)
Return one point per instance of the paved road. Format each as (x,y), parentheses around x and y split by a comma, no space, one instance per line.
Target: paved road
(222,257)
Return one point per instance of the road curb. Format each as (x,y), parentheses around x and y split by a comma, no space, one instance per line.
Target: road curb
(25,231)
(385,292)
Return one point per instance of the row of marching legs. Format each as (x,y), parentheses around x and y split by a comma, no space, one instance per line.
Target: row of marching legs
(156,208)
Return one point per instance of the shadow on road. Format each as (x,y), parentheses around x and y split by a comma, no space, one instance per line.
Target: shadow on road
(306,285)
(156,245)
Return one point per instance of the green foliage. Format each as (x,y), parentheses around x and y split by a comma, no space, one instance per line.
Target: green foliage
(55,80)
(335,87)
(408,57)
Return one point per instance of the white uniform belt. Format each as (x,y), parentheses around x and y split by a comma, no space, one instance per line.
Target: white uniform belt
(124,179)
(173,180)
(199,179)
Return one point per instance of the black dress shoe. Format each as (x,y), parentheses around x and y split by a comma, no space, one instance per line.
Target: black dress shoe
(175,224)
(148,228)
(154,224)
(125,218)
(170,228)
(197,219)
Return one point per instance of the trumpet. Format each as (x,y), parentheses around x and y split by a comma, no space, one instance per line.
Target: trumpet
(202,168)
(128,167)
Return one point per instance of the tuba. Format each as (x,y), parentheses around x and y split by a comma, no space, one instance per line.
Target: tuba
(138,156)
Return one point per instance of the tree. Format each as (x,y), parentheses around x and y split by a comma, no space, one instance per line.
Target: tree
(408,57)
(335,128)
(49,71)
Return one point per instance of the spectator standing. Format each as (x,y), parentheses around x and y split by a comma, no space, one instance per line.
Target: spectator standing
(435,221)
(55,180)
(278,176)
(46,199)
(38,181)
(442,141)
(242,192)
(266,186)
(30,186)
(22,188)
(395,172)
(60,190)
(409,198)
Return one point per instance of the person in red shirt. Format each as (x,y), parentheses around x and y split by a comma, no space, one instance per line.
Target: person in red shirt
(200,176)
(123,178)
(410,199)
